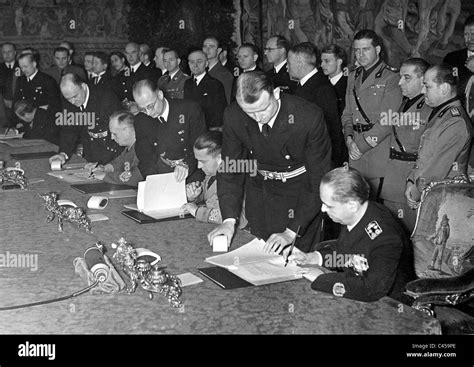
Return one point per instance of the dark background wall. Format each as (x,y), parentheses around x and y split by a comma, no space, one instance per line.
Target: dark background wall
(108,24)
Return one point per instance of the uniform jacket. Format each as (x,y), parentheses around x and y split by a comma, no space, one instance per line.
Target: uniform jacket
(377,238)
(282,79)
(128,79)
(43,91)
(57,73)
(444,146)
(173,139)
(341,88)
(208,204)
(101,149)
(319,90)
(225,77)
(127,161)
(173,88)
(106,81)
(409,134)
(378,94)
(8,80)
(42,127)
(292,143)
(210,95)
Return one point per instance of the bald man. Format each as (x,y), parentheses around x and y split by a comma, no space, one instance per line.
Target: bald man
(166,132)
(85,119)
(205,90)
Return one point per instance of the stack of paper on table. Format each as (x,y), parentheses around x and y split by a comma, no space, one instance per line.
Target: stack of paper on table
(160,196)
(251,263)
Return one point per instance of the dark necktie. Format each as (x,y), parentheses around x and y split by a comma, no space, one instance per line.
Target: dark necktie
(82,108)
(210,182)
(10,66)
(96,80)
(162,120)
(195,82)
(266,130)
(132,71)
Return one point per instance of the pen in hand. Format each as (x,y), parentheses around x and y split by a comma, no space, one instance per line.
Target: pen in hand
(292,246)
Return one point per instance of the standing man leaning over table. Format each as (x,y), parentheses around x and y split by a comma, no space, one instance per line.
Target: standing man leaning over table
(372,92)
(166,130)
(287,138)
(91,109)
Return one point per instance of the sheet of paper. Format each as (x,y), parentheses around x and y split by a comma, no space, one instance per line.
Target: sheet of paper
(73,175)
(163,193)
(249,253)
(141,196)
(254,265)
(189,279)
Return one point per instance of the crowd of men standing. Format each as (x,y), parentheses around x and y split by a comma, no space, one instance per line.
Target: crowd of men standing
(401,129)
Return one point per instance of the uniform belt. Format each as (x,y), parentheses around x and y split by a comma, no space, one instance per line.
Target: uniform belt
(103,134)
(282,176)
(403,156)
(360,128)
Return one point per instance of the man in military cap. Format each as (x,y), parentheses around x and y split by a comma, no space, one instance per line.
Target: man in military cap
(85,119)
(172,83)
(372,90)
(446,143)
(408,124)
(287,138)
(165,133)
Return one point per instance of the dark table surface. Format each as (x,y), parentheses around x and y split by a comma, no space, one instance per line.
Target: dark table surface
(283,308)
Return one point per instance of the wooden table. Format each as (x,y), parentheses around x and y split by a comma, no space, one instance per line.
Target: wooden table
(284,308)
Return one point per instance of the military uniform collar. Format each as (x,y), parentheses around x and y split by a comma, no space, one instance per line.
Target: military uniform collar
(442,108)
(30,78)
(408,102)
(173,75)
(366,73)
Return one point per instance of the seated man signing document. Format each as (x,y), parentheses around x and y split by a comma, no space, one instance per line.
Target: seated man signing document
(370,258)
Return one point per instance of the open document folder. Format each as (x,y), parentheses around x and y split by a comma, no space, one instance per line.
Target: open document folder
(254,265)
(160,196)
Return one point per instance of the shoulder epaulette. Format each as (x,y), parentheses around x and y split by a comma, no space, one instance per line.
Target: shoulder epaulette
(455,112)
(392,69)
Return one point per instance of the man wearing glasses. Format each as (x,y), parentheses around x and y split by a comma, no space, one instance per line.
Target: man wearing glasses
(165,133)
(276,51)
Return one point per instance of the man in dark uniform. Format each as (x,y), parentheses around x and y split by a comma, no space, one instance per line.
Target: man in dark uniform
(37,86)
(446,142)
(276,51)
(36,123)
(314,86)
(372,90)
(408,124)
(371,258)
(247,58)
(165,133)
(137,71)
(85,120)
(172,83)
(457,59)
(146,58)
(287,138)
(9,73)
(205,90)
(333,65)
(212,49)
(102,77)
